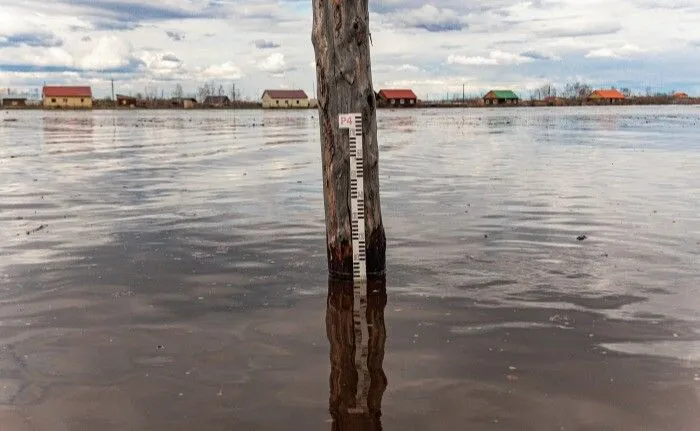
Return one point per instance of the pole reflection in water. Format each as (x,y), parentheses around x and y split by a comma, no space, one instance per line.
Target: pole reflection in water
(356,332)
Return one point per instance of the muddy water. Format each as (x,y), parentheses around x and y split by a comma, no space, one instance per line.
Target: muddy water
(166,271)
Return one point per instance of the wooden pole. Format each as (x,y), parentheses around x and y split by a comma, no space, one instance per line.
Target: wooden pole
(341,41)
(357,385)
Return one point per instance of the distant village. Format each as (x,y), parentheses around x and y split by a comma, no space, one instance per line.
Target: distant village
(81,97)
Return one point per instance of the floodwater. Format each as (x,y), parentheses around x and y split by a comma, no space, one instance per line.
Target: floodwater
(166,271)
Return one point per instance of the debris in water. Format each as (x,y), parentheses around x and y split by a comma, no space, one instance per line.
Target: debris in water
(161,347)
(10,120)
(35,230)
(582,237)
(486,236)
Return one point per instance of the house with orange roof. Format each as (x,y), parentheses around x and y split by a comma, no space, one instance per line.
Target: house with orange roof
(606,96)
(66,97)
(680,95)
(397,97)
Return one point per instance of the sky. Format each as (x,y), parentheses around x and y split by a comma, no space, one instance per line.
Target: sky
(435,48)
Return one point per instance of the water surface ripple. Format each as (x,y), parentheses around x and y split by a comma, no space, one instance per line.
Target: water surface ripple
(166,270)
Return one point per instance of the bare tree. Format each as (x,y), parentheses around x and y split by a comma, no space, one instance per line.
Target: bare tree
(151,92)
(221,91)
(235,93)
(179,92)
(577,90)
(545,91)
(205,91)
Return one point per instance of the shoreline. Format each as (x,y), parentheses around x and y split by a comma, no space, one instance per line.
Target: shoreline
(419,106)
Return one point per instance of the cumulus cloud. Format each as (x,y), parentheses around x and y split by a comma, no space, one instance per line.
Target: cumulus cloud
(110,52)
(226,70)
(163,65)
(430,18)
(408,68)
(175,35)
(495,58)
(265,44)
(53,57)
(623,51)
(274,64)
(171,58)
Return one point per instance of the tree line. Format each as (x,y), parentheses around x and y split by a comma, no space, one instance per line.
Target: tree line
(573,91)
(579,91)
(153,92)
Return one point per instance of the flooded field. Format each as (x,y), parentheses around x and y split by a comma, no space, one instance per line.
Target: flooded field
(166,271)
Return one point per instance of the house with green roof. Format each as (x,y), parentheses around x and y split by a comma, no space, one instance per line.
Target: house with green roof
(501,97)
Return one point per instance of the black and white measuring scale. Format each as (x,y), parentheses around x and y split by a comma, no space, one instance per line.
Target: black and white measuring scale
(353,122)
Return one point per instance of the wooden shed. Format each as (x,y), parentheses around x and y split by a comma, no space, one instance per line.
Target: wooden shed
(184,102)
(126,100)
(10,102)
(216,101)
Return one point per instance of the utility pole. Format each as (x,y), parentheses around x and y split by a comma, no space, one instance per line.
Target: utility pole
(113,100)
(341,40)
(464,98)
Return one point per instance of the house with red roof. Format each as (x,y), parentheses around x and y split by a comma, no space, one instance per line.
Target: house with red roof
(55,96)
(607,96)
(397,98)
(290,99)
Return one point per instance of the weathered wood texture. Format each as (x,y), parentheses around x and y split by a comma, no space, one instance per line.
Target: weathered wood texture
(340,329)
(341,41)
